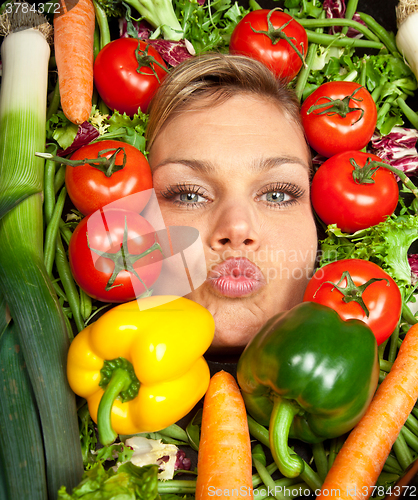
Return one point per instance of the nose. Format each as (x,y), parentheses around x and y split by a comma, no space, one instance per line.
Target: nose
(236,228)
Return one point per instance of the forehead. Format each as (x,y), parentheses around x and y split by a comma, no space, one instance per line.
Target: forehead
(241,125)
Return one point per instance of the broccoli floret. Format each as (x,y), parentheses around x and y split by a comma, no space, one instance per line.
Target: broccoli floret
(159,14)
(385,244)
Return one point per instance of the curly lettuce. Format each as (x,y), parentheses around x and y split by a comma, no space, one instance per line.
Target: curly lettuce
(387,244)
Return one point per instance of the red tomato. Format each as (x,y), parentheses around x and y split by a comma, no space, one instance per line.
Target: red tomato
(329,133)
(90,189)
(105,231)
(338,199)
(382,298)
(120,83)
(280,57)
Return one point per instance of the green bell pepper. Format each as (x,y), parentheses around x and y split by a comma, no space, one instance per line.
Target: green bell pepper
(308,375)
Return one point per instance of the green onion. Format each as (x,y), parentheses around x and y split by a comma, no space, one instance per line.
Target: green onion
(25,283)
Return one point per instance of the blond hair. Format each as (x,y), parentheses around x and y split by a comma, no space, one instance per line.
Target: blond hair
(204,80)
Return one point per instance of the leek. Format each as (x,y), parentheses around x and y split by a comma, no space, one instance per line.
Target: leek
(24,281)
(406,36)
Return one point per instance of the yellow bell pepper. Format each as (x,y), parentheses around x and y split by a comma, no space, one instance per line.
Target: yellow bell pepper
(140,366)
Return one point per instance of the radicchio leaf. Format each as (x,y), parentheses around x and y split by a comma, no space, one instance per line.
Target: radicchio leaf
(173,53)
(413,262)
(398,148)
(336,9)
(85,134)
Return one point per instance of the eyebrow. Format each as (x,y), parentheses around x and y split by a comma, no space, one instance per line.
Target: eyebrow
(258,166)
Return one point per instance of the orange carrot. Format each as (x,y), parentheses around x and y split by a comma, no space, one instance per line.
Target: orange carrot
(363,455)
(73,42)
(224,466)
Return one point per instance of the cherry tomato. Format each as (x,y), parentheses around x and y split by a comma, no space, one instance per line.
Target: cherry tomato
(103,255)
(382,299)
(338,199)
(329,132)
(120,83)
(90,189)
(276,53)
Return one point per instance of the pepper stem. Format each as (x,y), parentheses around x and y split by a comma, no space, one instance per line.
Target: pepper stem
(290,465)
(123,384)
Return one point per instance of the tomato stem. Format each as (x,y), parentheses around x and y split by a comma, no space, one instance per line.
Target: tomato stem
(406,181)
(351,292)
(338,106)
(144,59)
(277,34)
(124,261)
(364,175)
(105,164)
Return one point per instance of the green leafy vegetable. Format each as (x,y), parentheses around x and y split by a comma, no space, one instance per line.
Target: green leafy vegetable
(128,483)
(128,129)
(385,244)
(209,27)
(160,14)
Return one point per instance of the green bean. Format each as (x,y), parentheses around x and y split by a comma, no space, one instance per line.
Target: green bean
(52,232)
(380,32)
(49,190)
(68,283)
(59,291)
(402,452)
(342,41)
(65,232)
(270,469)
(363,73)
(385,365)
(348,23)
(59,178)
(393,346)
(102,21)
(69,327)
(283,489)
(177,486)
(410,438)
(410,114)
(85,304)
(306,69)
(96,41)
(260,433)
(264,475)
(321,460)
(392,465)
(55,102)
(335,447)
(408,316)
(412,423)
(350,10)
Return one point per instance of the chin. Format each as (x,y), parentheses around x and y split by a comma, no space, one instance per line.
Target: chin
(231,341)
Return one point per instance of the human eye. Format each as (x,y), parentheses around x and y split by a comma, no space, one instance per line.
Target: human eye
(186,195)
(280,195)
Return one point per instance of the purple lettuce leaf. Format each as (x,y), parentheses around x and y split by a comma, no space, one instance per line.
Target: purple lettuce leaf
(336,9)
(398,148)
(85,134)
(173,53)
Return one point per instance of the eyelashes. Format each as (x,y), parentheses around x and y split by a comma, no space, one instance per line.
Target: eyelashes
(286,187)
(193,195)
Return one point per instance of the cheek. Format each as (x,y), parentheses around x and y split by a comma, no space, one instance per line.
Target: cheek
(290,249)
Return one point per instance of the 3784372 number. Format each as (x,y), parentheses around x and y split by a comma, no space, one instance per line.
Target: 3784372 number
(48,7)
(369,491)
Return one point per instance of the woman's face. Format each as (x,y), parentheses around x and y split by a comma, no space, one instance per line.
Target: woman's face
(239,173)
